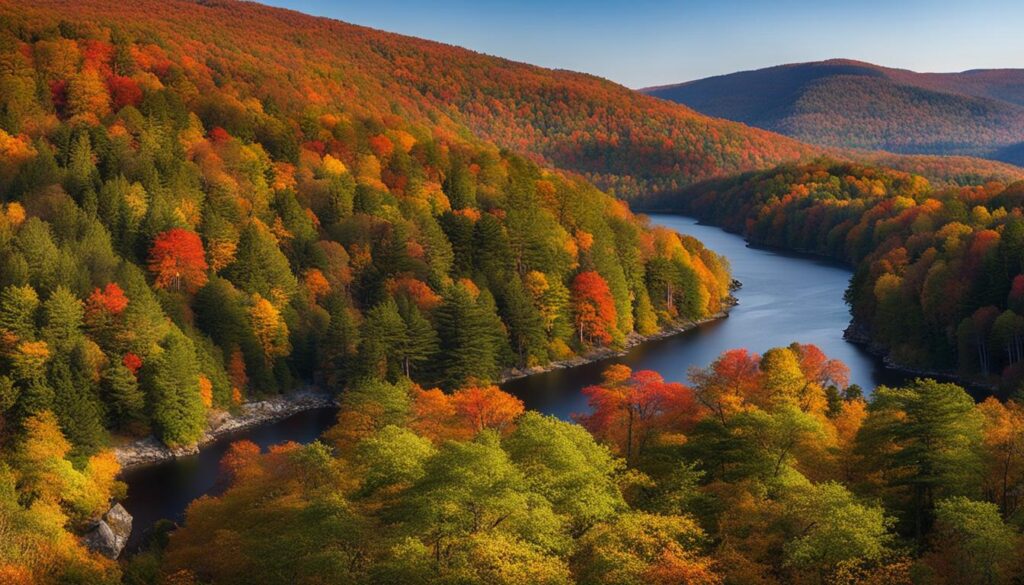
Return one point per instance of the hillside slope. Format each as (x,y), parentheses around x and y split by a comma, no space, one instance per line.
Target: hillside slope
(281,59)
(844,103)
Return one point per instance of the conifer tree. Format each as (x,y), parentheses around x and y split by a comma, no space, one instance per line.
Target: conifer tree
(339,349)
(76,407)
(420,338)
(382,338)
(62,320)
(525,326)
(467,348)
(124,399)
(171,381)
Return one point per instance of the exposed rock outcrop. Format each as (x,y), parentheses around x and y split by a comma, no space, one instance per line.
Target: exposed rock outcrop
(110,533)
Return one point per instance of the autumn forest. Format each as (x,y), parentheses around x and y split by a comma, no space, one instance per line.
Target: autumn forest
(206,205)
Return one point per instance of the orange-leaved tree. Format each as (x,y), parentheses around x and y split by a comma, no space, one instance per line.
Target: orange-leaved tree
(177,260)
(630,409)
(593,307)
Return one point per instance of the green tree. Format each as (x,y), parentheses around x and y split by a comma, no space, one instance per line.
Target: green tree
(18,307)
(421,341)
(637,548)
(62,320)
(525,325)
(393,457)
(171,380)
(467,350)
(471,489)
(77,408)
(35,242)
(562,462)
(828,526)
(383,335)
(925,440)
(124,400)
(972,540)
(339,349)
(260,266)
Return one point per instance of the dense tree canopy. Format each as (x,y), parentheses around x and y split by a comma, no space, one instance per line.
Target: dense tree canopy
(938,278)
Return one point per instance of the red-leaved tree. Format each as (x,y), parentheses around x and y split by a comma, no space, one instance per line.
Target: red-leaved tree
(178,261)
(630,409)
(593,307)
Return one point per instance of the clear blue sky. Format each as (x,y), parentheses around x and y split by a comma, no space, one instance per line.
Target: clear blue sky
(651,42)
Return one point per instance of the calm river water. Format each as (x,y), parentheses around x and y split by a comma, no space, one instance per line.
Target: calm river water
(784,298)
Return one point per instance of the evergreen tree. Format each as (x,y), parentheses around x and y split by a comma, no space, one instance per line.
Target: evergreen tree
(62,320)
(35,242)
(260,266)
(77,409)
(124,399)
(171,381)
(420,338)
(926,439)
(459,185)
(382,338)
(491,250)
(339,348)
(525,325)
(467,348)
(18,307)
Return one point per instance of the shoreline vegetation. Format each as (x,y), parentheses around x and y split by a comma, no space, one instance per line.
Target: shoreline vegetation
(856,332)
(150,451)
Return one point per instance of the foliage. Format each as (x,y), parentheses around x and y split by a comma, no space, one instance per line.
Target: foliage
(935,268)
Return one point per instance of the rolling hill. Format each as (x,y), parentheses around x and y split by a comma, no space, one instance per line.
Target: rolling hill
(269,58)
(850,104)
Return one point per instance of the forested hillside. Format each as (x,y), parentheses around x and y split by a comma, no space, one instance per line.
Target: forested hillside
(187,225)
(263,72)
(851,104)
(939,270)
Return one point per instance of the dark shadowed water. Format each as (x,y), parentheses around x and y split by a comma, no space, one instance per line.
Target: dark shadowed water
(784,298)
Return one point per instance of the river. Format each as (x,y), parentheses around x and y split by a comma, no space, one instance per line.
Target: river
(784,298)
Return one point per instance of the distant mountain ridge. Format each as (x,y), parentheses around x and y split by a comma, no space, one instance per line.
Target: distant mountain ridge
(852,104)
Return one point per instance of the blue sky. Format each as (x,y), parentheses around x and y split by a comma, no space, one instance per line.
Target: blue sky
(650,42)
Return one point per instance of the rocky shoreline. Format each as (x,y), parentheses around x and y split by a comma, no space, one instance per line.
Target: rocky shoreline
(150,450)
(606,352)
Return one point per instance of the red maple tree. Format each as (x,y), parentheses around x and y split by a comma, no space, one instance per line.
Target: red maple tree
(593,307)
(178,261)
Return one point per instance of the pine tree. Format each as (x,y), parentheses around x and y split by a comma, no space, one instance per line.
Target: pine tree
(383,336)
(125,401)
(526,328)
(79,412)
(62,320)
(467,348)
(338,350)
(18,306)
(171,381)
(459,186)
(35,242)
(420,339)
(260,266)
(491,250)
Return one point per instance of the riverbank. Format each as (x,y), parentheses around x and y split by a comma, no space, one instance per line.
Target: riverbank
(858,334)
(221,424)
(150,450)
(603,353)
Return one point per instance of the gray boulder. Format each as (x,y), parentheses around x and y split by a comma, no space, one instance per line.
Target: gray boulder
(109,535)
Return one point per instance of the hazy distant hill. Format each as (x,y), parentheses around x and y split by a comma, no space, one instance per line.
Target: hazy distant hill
(859,105)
